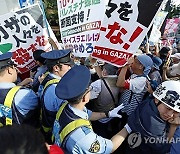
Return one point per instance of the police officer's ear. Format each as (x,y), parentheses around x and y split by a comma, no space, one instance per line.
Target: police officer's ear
(56,68)
(84,98)
(10,70)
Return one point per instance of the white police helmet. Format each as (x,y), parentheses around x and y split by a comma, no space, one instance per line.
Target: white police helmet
(168,92)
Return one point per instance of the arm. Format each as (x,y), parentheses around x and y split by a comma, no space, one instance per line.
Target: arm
(109,114)
(97,116)
(147,48)
(54,45)
(171,131)
(119,138)
(157,50)
(25,82)
(121,78)
(98,70)
(96,66)
(164,75)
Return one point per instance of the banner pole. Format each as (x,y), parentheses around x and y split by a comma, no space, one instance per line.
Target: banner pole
(45,19)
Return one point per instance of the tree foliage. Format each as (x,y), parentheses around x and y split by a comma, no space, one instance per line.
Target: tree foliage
(174,11)
(51,12)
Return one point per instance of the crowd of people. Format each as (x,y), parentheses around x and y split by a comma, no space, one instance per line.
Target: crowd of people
(82,105)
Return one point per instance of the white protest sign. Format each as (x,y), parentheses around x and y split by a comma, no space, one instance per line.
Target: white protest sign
(124,27)
(22,32)
(79,24)
(155,35)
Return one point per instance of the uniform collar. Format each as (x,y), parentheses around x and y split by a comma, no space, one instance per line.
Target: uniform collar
(42,67)
(54,76)
(83,114)
(6,85)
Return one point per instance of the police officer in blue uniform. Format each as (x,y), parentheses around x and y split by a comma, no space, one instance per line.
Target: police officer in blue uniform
(17,104)
(72,128)
(42,68)
(58,63)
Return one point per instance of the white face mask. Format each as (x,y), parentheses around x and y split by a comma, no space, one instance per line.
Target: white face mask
(77,63)
(92,71)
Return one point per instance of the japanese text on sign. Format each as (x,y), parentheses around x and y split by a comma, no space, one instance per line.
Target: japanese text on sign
(75,6)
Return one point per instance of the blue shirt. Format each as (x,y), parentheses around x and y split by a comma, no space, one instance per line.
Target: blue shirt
(84,140)
(51,101)
(175,148)
(25,99)
(40,70)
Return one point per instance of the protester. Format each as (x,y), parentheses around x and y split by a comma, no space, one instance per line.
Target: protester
(72,129)
(23,139)
(135,86)
(104,97)
(151,119)
(175,148)
(154,73)
(173,71)
(19,105)
(164,54)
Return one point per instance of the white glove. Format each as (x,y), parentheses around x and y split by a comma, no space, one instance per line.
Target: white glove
(114,112)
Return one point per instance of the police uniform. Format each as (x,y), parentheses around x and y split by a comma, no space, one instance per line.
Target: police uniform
(23,103)
(40,70)
(50,102)
(72,129)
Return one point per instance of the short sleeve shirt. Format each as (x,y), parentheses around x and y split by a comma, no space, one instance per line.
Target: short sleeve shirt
(84,140)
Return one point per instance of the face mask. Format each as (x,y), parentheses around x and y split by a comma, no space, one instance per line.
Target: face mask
(77,63)
(92,71)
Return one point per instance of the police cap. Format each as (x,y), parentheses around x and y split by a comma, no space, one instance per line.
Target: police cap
(5,60)
(74,83)
(37,55)
(60,56)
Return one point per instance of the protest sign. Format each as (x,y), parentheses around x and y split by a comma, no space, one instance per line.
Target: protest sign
(155,35)
(14,5)
(22,32)
(79,24)
(124,27)
(170,31)
(158,21)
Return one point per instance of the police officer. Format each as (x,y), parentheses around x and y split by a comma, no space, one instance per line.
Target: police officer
(42,68)
(17,104)
(58,63)
(72,129)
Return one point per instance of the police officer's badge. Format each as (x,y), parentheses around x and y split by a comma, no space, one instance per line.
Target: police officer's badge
(95,147)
